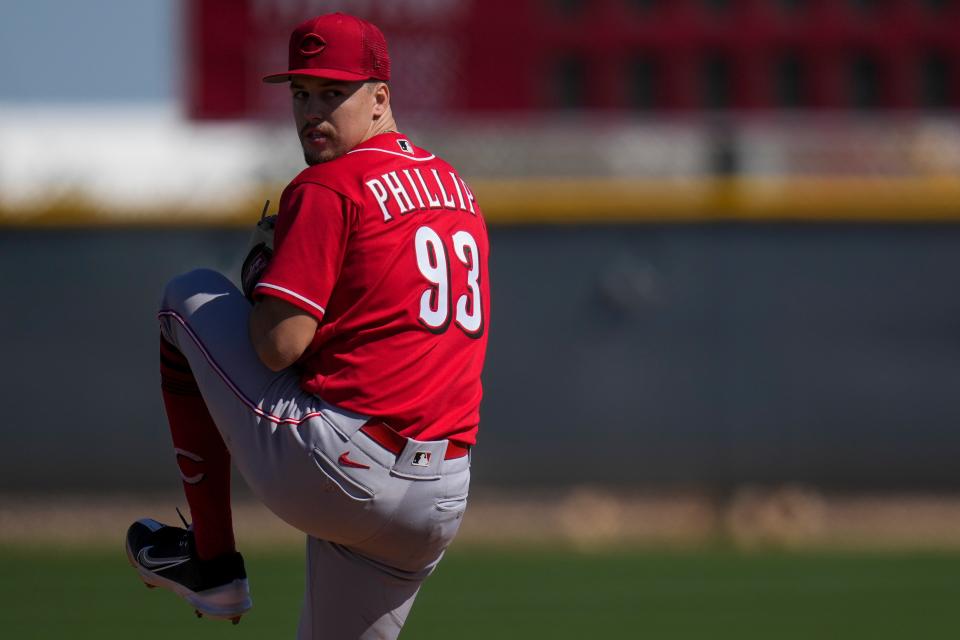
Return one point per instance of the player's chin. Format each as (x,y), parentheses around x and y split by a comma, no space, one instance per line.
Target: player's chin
(312,157)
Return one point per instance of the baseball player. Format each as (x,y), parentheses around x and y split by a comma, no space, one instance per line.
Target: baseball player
(344,381)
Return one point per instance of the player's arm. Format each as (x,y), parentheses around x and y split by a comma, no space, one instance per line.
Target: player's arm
(280,332)
(311,235)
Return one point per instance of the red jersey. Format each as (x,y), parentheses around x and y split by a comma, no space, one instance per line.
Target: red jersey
(387,248)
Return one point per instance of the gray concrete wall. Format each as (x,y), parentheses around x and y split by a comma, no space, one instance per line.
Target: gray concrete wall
(653,355)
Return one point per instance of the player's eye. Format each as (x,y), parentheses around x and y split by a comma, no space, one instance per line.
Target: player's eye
(300,95)
(332,93)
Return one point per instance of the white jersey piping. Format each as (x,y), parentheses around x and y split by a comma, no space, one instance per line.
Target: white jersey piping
(223,376)
(394,153)
(292,293)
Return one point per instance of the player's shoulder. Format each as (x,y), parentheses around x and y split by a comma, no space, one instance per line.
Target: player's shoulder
(347,174)
(327,174)
(386,149)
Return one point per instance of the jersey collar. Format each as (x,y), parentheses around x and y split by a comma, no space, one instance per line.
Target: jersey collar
(394,143)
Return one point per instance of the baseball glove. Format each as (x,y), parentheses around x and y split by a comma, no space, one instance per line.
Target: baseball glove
(259,253)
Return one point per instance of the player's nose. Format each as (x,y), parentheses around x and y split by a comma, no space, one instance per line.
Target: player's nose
(316,108)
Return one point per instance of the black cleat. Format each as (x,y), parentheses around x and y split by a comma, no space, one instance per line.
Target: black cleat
(164,556)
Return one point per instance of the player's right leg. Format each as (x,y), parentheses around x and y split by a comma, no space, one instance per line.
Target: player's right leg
(366,590)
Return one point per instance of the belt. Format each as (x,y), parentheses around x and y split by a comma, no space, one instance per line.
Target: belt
(394,442)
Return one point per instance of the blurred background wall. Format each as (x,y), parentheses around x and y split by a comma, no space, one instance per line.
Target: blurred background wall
(725,239)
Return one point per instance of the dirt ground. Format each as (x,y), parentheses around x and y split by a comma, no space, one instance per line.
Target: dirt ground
(584,518)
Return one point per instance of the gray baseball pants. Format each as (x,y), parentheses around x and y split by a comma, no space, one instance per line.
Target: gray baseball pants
(373,534)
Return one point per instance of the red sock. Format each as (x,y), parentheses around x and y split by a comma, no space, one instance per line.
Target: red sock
(203,459)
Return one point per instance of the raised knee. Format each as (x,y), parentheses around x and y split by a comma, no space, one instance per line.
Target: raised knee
(183,286)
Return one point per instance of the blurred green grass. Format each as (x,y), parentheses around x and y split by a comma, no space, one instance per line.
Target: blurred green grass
(502,593)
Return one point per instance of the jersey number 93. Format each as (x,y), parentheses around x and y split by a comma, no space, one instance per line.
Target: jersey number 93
(436,303)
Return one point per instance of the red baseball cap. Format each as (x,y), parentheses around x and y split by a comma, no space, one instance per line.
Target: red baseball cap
(339,47)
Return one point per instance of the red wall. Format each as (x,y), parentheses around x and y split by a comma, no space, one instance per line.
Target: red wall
(479,55)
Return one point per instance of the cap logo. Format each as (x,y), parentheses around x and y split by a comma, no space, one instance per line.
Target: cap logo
(312,44)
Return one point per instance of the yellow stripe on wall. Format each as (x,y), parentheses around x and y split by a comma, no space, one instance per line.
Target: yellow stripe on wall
(734,199)
(587,201)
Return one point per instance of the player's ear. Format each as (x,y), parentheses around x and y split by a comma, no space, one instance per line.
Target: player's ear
(381,97)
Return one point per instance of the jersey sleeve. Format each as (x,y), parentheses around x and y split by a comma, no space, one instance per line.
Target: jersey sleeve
(310,239)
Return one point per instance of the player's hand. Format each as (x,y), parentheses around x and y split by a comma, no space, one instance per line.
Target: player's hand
(259,253)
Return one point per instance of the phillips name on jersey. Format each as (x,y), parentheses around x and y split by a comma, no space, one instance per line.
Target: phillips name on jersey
(390,188)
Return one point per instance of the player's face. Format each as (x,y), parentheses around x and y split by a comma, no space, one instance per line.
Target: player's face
(332,116)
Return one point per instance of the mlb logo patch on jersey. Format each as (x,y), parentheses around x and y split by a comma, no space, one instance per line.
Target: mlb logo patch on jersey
(421,459)
(405,146)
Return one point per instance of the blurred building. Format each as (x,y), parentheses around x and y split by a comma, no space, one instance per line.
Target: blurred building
(649,96)
(647,56)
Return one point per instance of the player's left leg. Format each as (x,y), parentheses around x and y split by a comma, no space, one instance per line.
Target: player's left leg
(164,556)
(284,441)
(201,455)
(200,563)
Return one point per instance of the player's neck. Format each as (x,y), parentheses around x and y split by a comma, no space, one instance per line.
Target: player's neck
(385,124)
